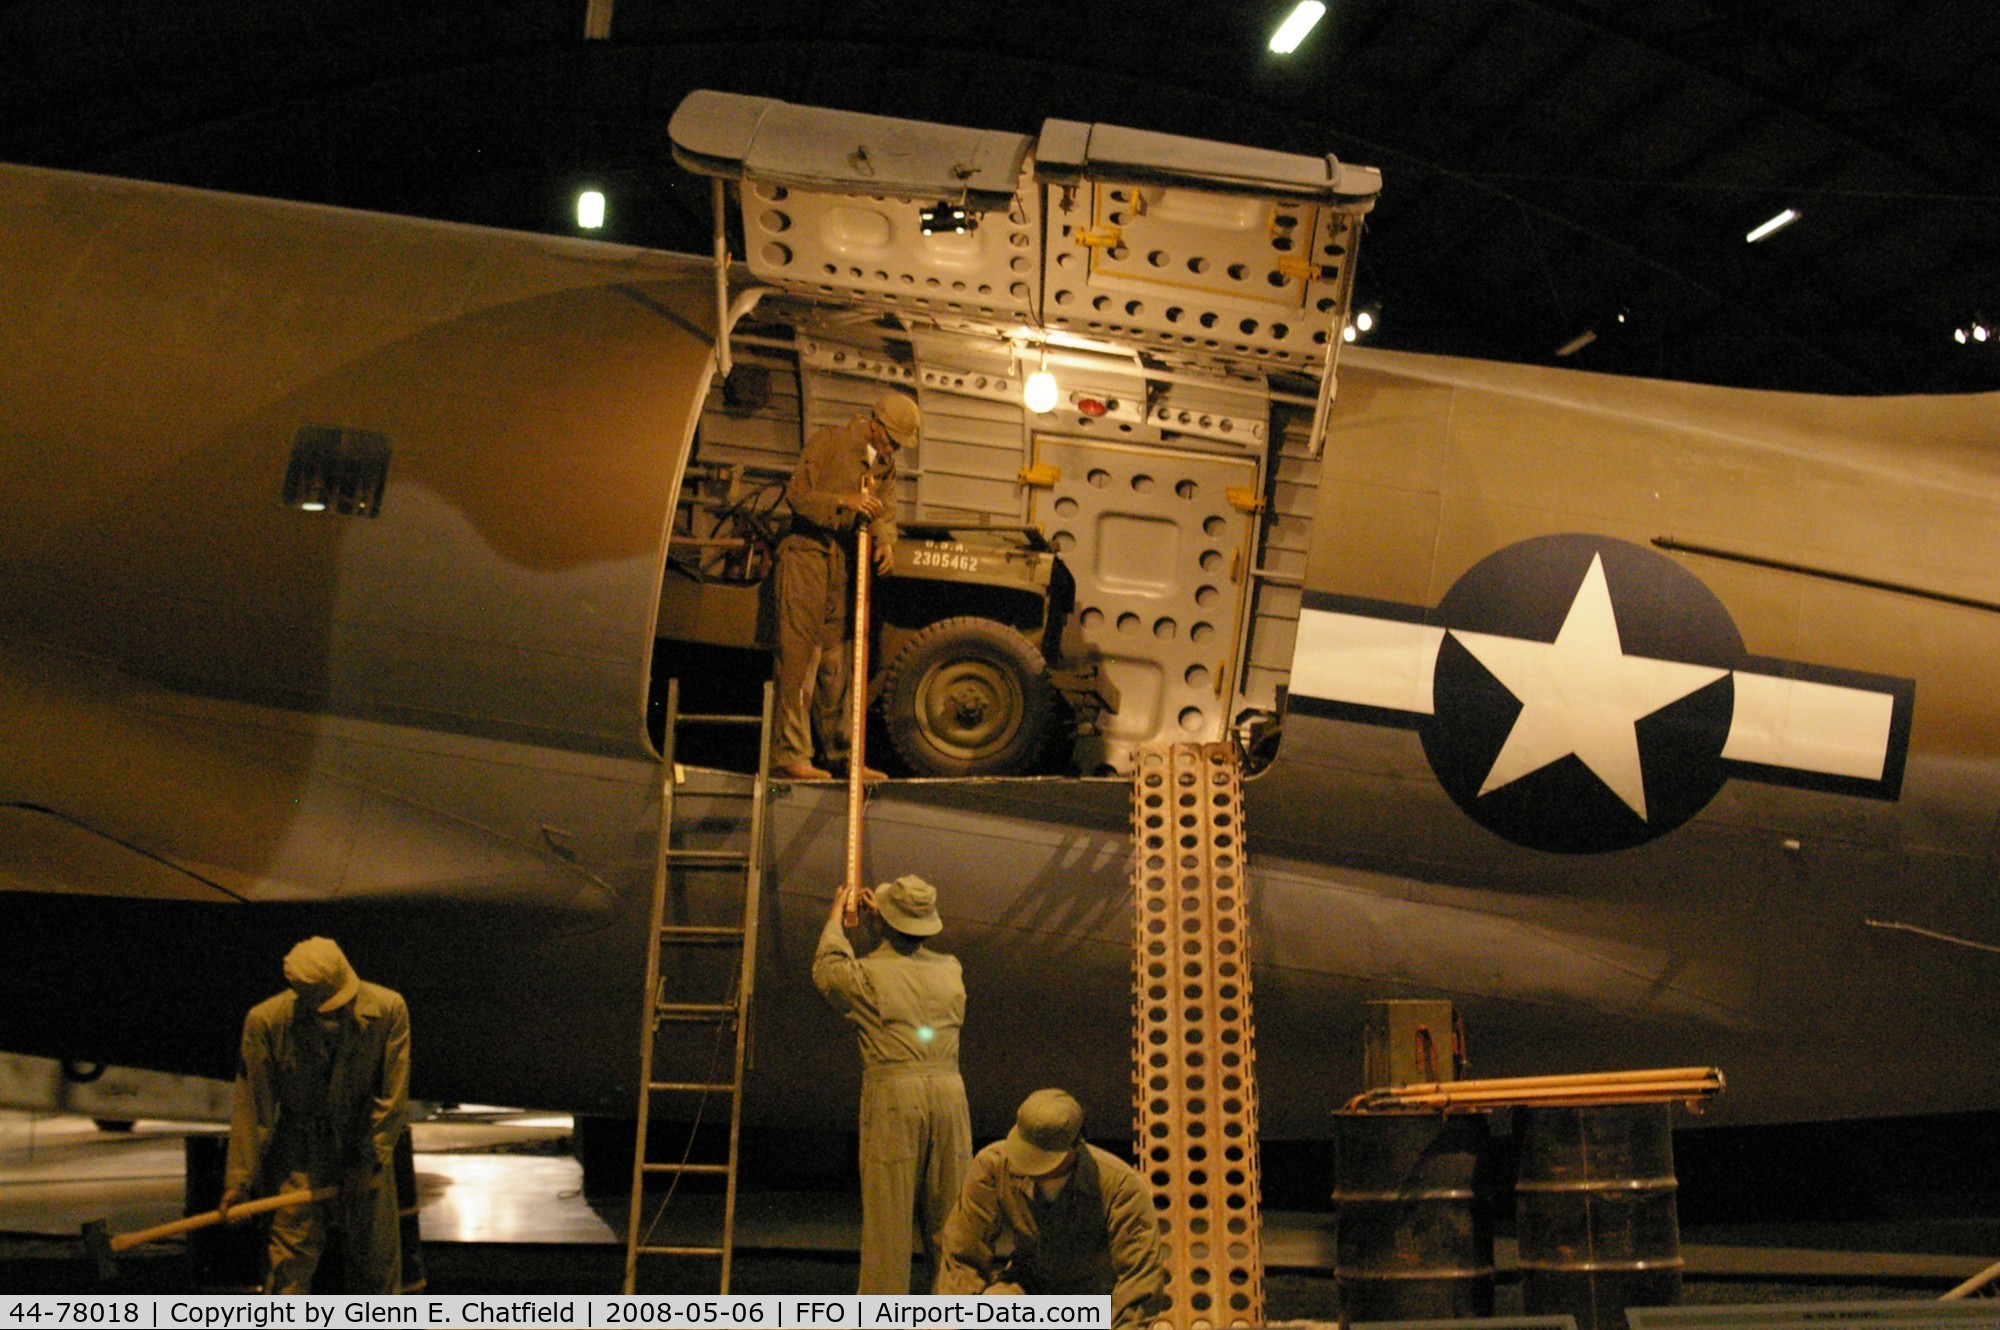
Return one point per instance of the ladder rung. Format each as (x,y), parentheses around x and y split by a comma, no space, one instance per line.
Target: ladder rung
(691,1087)
(701,932)
(680,1251)
(716,1169)
(695,1011)
(719,857)
(713,718)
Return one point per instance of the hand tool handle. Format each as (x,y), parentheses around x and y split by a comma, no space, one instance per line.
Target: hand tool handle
(283,1200)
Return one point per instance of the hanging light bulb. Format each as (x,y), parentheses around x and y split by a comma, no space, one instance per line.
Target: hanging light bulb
(1039,395)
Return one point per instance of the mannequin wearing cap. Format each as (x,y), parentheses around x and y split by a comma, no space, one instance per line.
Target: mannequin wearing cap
(906,1003)
(1081,1219)
(845,476)
(322,1095)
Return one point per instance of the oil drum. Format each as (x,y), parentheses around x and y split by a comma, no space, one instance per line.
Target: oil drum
(1414,1216)
(1595,1216)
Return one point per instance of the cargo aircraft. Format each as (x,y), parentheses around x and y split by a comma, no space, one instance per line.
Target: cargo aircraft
(345,556)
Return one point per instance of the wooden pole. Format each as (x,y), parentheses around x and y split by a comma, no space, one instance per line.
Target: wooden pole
(857,710)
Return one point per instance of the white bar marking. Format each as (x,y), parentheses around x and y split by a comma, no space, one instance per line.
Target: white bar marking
(1365,661)
(1810,726)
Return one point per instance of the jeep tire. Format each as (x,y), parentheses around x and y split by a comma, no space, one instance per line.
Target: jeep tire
(968,697)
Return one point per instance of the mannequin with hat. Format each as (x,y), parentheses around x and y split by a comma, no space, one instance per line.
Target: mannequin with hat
(322,1095)
(1080,1219)
(906,1003)
(846,475)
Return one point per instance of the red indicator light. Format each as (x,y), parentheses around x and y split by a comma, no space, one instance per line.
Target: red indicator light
(1090,406)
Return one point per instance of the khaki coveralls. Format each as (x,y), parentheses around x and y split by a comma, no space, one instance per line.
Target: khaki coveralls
(309,1110)
(1099,1234)
(916,1131)
(813,587)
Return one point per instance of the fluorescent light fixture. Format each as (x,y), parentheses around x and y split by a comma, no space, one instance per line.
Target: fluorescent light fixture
(1296,25)
(1776,224)
(1577,343)
(1040,393)
(590,210)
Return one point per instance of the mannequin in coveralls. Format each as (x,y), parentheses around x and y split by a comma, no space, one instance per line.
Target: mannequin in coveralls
(906,1003)
(322,1095)
(845,477)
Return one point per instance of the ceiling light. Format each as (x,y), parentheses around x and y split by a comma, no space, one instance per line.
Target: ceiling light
(1776,224)
(1365,320)
(1348,334)
(1296,25)
(1980,332)
(590,210)
(1958,335)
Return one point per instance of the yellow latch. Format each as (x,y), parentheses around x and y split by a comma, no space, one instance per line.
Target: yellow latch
(1109,238)
(1243,500)
(1291,265)
(1042,474)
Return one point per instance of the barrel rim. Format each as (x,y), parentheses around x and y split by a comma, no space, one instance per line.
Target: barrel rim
(1456,1272)
(1665,1182)
(1638,1266)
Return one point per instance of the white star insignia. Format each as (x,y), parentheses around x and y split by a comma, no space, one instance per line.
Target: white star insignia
(1581,694)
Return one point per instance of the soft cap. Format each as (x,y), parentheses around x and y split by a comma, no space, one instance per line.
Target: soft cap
(900,416)
(318,972)
(1045,1131)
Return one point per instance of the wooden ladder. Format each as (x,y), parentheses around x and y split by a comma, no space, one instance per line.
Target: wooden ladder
(682,953)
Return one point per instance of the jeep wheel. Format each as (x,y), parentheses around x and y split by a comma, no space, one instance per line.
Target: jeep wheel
(968,697)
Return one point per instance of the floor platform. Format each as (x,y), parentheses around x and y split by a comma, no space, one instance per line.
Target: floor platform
(504,1210)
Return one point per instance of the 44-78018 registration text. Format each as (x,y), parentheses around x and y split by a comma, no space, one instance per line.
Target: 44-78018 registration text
(851,1312)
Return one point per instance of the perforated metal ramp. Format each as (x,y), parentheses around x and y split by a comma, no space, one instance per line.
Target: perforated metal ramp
(1194,1075)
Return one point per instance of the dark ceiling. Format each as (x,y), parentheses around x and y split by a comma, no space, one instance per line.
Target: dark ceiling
(1548,164)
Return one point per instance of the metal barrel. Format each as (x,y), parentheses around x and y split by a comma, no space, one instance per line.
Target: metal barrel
(1413,1216)
(1595,1217)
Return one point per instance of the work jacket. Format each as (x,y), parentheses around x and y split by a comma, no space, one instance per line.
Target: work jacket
(325,1104)
(834,464)
(1099,1234)
(904,1009)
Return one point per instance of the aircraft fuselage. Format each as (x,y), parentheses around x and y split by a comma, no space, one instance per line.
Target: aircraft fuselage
(1509,771)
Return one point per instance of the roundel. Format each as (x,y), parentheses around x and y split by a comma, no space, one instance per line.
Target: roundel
(1582,695)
